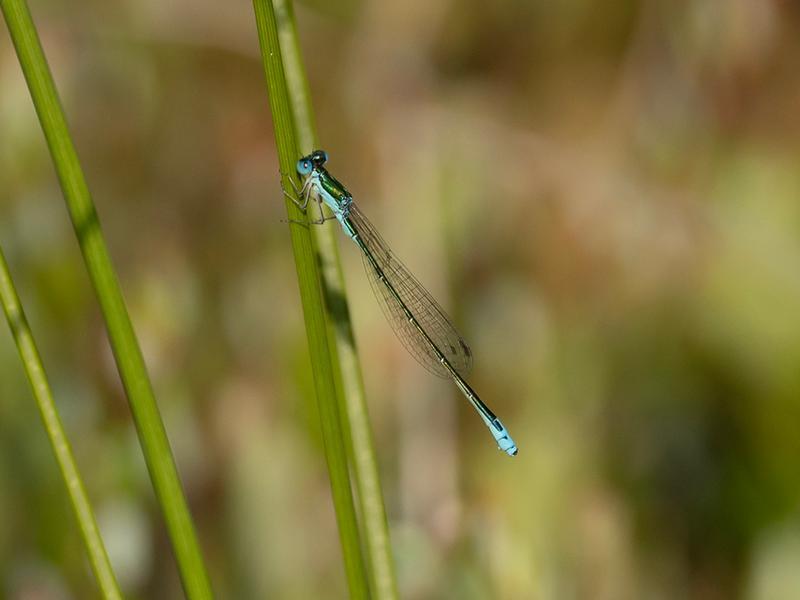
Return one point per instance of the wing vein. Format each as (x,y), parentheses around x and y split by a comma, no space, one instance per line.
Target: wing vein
(425,310)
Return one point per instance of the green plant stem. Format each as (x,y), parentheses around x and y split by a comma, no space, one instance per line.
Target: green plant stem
(124,344)
(313,305)
(365,466)
(55,432)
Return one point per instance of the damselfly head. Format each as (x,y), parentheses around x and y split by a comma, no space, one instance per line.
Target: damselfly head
(313,161)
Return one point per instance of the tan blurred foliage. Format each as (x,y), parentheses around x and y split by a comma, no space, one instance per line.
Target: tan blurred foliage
(605,196)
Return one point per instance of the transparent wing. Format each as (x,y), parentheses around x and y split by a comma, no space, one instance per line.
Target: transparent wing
(423,307)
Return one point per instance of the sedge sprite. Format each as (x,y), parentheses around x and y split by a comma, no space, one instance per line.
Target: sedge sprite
(417,319)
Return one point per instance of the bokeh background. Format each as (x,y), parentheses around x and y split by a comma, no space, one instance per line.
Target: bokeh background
(604,195)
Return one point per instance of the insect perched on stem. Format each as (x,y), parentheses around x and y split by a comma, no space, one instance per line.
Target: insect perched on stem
(417,319)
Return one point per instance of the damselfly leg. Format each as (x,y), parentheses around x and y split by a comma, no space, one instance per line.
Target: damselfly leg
(301,198)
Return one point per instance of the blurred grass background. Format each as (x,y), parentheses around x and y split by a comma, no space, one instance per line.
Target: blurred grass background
(604,196)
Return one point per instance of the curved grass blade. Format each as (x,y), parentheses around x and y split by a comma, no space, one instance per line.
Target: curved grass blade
(23,337)
(125,346)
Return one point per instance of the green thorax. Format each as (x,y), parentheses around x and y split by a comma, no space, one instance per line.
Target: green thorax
(332,186)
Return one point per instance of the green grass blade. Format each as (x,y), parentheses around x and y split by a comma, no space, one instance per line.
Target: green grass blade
(365,467)
(124,344)
(312,300)
(55,432)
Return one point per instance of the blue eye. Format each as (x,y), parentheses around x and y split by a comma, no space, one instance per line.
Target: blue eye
(304,166)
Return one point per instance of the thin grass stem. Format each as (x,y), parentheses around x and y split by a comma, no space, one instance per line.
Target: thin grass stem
(313,304)
(32,362)
(128,355)
(353,397)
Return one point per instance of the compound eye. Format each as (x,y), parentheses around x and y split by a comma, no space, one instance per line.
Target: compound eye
(304,166)
(320,157)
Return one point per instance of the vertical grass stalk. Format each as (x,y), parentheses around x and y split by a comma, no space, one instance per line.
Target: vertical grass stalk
(353,396)
(311,297)
(34,369)
(128,356)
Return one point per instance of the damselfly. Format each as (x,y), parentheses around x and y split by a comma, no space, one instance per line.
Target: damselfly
(417,319)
